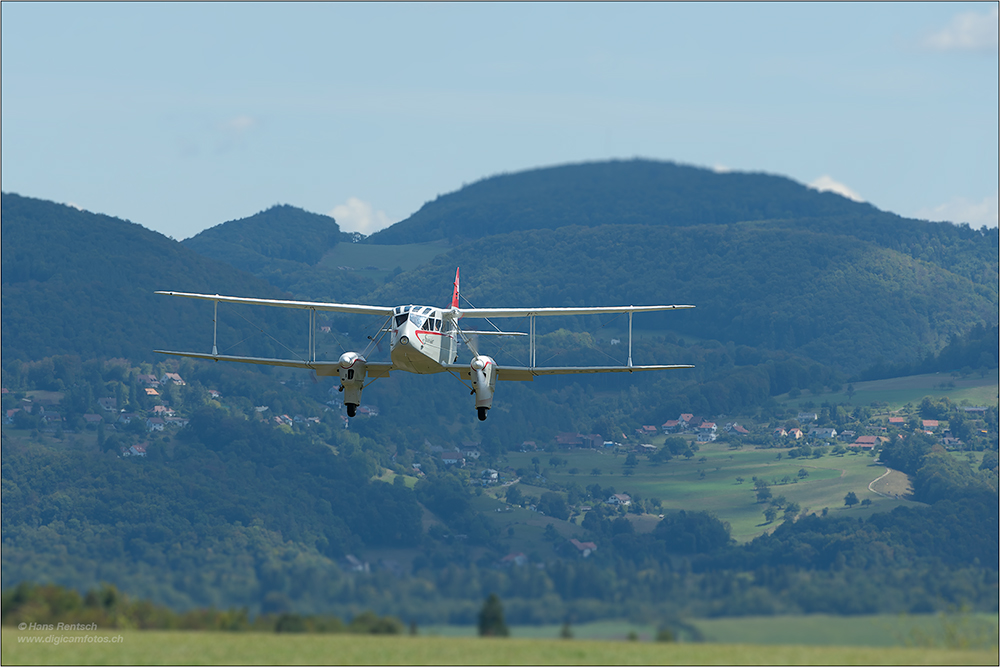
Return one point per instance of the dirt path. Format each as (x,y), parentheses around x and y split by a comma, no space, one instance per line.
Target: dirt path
(892,484)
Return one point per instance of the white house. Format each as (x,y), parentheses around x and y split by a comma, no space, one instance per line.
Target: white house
(620,499)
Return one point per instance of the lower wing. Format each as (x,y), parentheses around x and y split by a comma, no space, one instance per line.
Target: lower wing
(375,368)
(527,374)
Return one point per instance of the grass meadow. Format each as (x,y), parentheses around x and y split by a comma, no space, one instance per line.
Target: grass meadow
(136,647)
(385,258)
(897,392)
(708,481)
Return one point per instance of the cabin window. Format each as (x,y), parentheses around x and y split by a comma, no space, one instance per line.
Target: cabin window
(400,319)
(418,319)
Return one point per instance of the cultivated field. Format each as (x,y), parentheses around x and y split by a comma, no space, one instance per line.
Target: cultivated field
(385,258)
(708,481)
(207,648)
(971,631)
(897,392)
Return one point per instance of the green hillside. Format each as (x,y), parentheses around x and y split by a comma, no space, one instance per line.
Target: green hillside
(835,299)
(284,245)
(613,193)
(82,283)
(255,493)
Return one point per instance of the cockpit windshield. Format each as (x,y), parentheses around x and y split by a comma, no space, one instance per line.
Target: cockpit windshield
(422,318)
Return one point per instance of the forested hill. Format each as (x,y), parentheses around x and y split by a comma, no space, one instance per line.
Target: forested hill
(618,193)
(81,283)
(283,245)
(835,299)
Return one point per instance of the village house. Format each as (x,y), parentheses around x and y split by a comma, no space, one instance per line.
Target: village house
(865,442)
(794,433)
(780,432)
(490,476)
(897,422)
(8,417)
(514,559)
(155,424)
(585,548)
(352,564)
(685,420)
(148,379)
(569,439)
(528,446)
(175,421)
(453,459)
(620,499)
(807,417)
(670,426)
(951,443)
(108,404)
(646,449)
(823,433)
(92,419)
(172,378)
(739,430)
(707,436)
(151,392)
(707,427)
(135,450)
(126,417)
(930,425)
(214,394)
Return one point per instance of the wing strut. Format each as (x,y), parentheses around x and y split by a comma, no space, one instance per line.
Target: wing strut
(630,339)
(531,351)
(215,330)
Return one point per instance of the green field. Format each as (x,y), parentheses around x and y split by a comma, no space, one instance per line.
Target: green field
(206,648)
(977,631)
(679,484)
(385,258)
(897,392)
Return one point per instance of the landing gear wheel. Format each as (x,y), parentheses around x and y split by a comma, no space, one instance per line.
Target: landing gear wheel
(482,413)
(352,409)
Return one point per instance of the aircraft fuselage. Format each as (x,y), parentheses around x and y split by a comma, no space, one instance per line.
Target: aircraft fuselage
(423,339)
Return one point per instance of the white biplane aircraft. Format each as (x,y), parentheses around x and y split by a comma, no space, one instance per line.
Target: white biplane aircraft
(424,340)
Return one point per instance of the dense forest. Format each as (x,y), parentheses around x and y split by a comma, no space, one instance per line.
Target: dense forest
(834,299)
(258,498)
(81,283)
(283,245)
(612,193)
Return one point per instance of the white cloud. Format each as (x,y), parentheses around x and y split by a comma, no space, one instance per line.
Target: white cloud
(826,184)
(359,216)
(721,169)
(239,124)
(969,31)
(960,209)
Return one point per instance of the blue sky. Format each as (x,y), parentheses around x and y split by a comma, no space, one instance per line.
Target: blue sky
(180,116)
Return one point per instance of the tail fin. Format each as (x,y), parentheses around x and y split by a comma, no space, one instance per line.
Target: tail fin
(454,295)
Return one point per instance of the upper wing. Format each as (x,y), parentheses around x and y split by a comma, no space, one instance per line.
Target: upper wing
(375,368)
(530,312)
(314,305)
(525,373)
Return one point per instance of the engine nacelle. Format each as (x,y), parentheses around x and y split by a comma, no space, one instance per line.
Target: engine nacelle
(484,381)
(353,368)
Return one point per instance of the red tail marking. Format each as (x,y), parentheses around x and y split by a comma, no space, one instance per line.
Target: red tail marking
(454,295)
